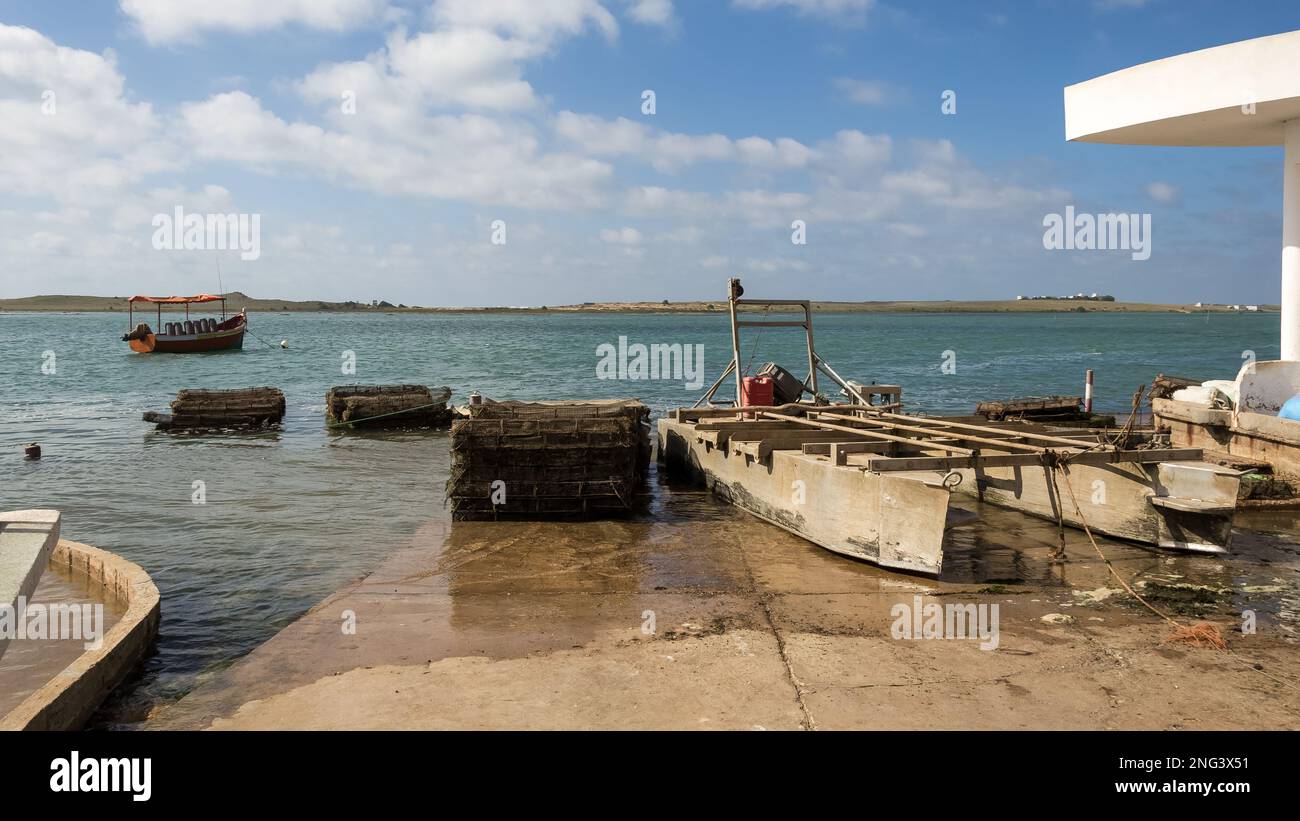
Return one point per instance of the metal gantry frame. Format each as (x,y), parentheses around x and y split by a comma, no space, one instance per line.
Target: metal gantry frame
(815,362)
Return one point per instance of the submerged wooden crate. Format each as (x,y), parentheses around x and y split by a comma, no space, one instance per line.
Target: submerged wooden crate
(1032,407)
(214,409)
(389,405)
(548,460)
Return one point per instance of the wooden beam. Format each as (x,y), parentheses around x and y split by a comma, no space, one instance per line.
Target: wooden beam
(694,414)
(762,447)
(845,448)
(839,453)
(867,434)
(1092,457)
(735,425)
(930,431)
(1041,437)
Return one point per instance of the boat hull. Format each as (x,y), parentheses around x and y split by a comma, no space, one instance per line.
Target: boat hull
(1173,505)
(894,521)
(222,340)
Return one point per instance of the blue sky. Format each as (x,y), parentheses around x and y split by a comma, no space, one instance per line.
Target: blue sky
(767,111)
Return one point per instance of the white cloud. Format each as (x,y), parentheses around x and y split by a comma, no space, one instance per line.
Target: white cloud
(852,150)
(670,152)
(813,8)
(626,138)
(467,157)
(865,92)
(780,153)
(456,67)
(653,12)
(1164,192)
(166,21)
(64,112)
(528,20)
(905,229)
(621,236)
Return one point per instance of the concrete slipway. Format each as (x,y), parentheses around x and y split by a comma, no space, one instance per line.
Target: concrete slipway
(543,625)
(27,537)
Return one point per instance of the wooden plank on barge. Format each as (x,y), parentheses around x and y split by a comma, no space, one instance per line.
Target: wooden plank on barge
(1092,457)
(696,414)
(929,431)
(1041,437)
(869,434)
(761,448)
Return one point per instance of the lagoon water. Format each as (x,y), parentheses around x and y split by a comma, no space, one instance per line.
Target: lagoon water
(292,515)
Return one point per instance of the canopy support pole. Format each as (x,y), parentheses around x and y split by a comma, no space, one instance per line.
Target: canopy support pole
(1291,244)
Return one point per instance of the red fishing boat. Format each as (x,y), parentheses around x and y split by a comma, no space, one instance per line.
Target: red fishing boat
(189,335)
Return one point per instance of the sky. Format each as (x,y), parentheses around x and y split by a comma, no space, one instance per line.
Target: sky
(502,152)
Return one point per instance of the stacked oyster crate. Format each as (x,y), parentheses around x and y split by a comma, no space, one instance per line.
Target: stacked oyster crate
(389,406)
(198,409)
(544,460)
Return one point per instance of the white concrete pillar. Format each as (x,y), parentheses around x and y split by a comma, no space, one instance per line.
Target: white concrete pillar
(1291,244)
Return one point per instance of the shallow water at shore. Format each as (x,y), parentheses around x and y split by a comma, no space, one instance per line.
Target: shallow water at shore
(293,515)
(29,663)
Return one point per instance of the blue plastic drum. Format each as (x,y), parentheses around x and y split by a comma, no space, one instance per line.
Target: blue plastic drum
(1291,410)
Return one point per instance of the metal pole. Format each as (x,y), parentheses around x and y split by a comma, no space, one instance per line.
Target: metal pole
(1087,392)
(812,356)
(707,397)
(1291,244)
(735,342)
(837,379)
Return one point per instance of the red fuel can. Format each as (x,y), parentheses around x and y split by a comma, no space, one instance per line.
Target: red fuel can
(756,390)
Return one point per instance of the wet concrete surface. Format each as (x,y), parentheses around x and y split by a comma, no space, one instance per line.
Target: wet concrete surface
(29,664)
(697,615)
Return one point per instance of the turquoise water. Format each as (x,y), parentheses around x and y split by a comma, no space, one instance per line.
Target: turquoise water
(292,515)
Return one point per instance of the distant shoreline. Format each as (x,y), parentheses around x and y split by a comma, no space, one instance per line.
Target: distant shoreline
(236,301)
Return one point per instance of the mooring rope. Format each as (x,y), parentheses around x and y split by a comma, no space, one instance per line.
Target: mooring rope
(1058,461)
(383,415)
(258,338)
(753,350)
(1199,633)
(621,500)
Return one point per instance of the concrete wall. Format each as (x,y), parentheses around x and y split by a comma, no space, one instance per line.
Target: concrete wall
(71,697)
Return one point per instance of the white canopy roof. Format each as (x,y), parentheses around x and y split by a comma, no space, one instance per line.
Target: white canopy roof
(1193,99)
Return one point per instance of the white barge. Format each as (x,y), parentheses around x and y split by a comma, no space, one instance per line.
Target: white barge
(876,486)
(868,481)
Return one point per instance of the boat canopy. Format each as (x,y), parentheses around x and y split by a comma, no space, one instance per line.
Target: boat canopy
(178,300)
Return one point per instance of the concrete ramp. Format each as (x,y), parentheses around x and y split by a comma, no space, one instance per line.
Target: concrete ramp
(27,538)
